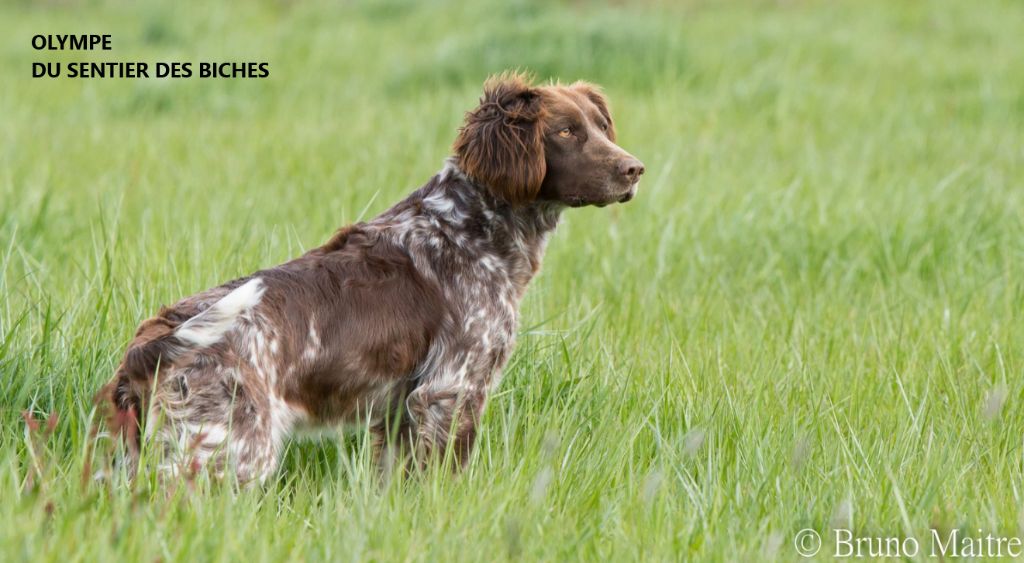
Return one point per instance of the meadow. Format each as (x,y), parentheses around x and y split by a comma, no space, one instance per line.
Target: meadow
(811,316)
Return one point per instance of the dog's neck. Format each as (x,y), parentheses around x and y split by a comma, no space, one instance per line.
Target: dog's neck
(478,222)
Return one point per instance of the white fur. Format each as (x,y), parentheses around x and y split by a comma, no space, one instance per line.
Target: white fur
(209,327)
(313,347)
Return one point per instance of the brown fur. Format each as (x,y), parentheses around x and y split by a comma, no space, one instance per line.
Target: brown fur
(411,314)
(594,94)
(501,144)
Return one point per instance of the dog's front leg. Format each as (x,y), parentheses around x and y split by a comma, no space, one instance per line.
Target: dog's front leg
(443,420)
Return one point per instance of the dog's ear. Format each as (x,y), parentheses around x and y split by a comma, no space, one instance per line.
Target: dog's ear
(501,144)
(594,94)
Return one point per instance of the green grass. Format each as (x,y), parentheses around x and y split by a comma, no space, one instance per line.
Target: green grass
(811,316)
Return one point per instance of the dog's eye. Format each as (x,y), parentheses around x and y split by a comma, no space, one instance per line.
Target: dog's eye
(604,126)
(565,133)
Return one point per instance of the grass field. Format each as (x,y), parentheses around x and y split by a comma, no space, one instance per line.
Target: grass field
(812,316)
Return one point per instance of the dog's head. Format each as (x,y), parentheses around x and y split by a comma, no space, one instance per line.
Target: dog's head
(557,143)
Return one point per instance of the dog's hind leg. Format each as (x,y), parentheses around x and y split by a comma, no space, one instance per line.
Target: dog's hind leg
(219,419)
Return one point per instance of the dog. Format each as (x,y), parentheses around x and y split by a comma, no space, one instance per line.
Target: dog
(402,323)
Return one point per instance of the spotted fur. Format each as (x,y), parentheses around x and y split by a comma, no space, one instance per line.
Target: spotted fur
(403,322)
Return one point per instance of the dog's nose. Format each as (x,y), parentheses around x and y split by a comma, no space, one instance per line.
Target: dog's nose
(631,168)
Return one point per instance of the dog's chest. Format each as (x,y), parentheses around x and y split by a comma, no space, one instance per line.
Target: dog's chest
(479,335)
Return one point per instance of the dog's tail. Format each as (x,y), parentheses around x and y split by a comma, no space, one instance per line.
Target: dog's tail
(159,343)
(209,327)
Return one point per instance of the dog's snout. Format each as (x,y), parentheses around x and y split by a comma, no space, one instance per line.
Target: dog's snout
(631,168)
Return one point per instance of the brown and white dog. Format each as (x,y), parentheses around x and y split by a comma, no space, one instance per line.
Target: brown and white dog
(403,323)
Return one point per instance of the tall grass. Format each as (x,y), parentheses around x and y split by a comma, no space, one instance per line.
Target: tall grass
(811,316)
